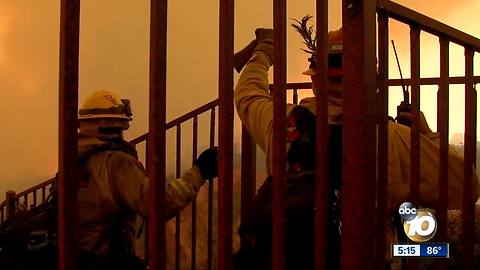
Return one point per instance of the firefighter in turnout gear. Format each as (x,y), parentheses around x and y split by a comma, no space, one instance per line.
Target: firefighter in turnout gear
(254,106)
(113,188)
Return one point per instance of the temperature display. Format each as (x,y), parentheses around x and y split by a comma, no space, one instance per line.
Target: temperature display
(434,250)
(421,250)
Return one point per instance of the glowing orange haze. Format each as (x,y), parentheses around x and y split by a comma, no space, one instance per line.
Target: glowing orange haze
(114,54)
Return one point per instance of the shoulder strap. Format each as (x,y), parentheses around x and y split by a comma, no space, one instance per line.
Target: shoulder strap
(117,145)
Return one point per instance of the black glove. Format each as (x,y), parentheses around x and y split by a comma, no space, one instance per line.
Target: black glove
(241,58)
(404,114)
(207,163)
(265,42)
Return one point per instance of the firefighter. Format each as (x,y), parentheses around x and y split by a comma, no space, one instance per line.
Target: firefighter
(114,186)
(254,106)
(399,158)
(255,229)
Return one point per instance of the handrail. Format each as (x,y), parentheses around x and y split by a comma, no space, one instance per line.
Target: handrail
(433,81)
(427,24)
(25,194)
(180,119)
(36,187)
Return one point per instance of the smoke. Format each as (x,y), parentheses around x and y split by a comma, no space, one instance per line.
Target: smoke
(28,91)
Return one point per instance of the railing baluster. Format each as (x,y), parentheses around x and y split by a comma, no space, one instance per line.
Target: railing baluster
(279,124)
(225,134)
(67,141)
(11,203)
(470,150)
(157,133)
(210,199)
(146,225)
(34,203)
(295,96)
(52,188)
(382,196)
(359,134)
(25,201)
(322,181)
(43,194)
(178,216)
(415,128)
(194,202)
(443,111)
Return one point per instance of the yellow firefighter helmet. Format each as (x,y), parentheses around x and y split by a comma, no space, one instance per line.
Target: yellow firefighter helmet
(105,104)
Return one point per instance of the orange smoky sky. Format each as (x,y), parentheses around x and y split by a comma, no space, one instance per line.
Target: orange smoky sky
(114,54)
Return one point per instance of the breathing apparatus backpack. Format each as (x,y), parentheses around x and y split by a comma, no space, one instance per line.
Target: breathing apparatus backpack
(34,231)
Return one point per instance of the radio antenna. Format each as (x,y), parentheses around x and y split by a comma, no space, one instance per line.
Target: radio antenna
(406,97)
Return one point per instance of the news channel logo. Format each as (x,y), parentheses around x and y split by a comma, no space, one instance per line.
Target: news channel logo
(419,224)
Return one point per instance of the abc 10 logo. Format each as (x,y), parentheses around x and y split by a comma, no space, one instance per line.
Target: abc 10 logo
(419,224)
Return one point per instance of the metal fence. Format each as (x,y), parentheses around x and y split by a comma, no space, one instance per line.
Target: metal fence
(419,23)
(365,126)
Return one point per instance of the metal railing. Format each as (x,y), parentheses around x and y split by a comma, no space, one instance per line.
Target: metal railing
(26,199)
(419,23)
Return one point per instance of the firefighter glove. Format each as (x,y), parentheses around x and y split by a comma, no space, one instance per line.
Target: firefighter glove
(263,34)
(423,125)
(207,163)
(241,58)
(265,42)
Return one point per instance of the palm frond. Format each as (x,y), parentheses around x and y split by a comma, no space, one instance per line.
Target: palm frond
(307,32)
